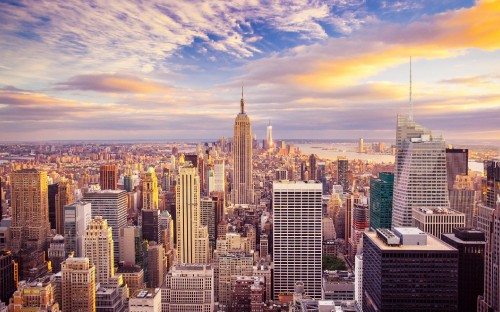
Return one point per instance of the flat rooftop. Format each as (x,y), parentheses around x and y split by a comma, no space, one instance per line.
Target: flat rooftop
(433,244)
(436,210)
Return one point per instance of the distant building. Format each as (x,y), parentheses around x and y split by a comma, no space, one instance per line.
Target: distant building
(492,195)
(457,163)
(112,206)
(188,287)
(108,178)
(98,247)
(57,253)
(361,147)
(381,191)
(463,198)
(156,265)
(470,244)
(408,270)
(77,217)
(132,245)
(78,285)
(342,173)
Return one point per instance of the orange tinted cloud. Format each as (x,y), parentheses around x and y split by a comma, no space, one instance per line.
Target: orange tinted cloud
(439,36)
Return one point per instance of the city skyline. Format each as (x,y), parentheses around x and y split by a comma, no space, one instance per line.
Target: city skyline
(172,70)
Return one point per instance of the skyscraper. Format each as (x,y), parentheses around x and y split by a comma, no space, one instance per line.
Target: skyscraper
(381,190)
(470,244)
(64,197)
(269,137)
(108,178)
(492,168)
(420,173)
(98,247)
(156,265)
(150,190)
(8,276)
(408,270)
(342,169)
(77,217)
(297,248)
(112,206)
(242,158)
(457,163)
(30,209)
(78,285)
(361,147)
(190,234)
(313,167)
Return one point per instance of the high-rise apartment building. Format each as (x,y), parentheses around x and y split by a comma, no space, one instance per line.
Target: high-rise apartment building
(108,177)
(420,178)
(381,190)
(408,270)
(470,244)
(98,247)
(342,173)
(297,212)
(242,158)
(77,217)
(188,287)
(112,206)
(191,244)
(78,285)
(457,163)
(437,221)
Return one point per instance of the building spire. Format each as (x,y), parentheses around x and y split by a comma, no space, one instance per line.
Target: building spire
(242,99)
(411,102)
(269,122)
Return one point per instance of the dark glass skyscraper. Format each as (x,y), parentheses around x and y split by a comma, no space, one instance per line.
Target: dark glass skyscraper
(492,168)
(342,169)
(470,244)
(381,190)
(457,163)
(408,270)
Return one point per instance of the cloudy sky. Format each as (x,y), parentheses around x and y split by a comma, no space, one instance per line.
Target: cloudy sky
(173,69)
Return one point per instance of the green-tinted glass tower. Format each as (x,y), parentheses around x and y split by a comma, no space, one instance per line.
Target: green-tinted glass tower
(381,190)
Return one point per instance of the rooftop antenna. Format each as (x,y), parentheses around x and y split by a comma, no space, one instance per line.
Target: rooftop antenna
(242,101)
(411,102)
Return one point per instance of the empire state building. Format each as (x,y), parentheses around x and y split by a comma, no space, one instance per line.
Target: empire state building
(242,158)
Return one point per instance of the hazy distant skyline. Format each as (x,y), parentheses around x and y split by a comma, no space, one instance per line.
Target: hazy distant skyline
(73,70)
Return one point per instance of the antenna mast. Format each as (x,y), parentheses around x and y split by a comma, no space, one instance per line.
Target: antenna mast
(411,102)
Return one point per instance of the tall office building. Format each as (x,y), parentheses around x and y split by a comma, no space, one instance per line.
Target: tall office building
(313,167)
(77,217)
(108,177)
(297,248)
(269,136)
(52,192)
(381,190)
(360,222)
(219,176)
(56,253)
(150,190)
(457,163)
(420,178)
(132,246)
(64,197)
(8,276)
(463,197)
(242,158)
(207,217)
(98,247)
(470,244)
(190,235)
(342,173)
(30,209)
(78,285)
(156,265)
(408,270)
(112,206)
(492,168)
(188,287)
(361,146)
(437,221)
